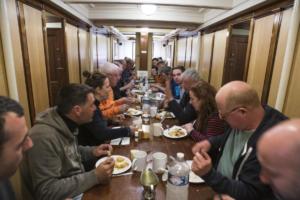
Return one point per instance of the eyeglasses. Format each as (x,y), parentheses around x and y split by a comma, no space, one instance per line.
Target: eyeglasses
(226,114)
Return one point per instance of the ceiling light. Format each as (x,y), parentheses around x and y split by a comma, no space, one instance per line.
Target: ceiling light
(148,9)
(145,30)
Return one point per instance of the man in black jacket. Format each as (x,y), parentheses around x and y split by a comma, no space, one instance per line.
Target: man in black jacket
(14,141)
(183,110)
(236,168)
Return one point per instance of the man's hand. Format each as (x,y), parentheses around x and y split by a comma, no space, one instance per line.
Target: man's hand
(130,100)
(123,108)
(201,163)
(201,146)
(102,150)
(104,170)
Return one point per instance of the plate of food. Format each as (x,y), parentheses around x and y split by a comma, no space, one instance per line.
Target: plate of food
(193,178)
(175,132)
(122,163)
(133,112)
(165,114)
(137,91)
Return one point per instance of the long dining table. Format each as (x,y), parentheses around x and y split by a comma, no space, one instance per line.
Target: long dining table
(128,187)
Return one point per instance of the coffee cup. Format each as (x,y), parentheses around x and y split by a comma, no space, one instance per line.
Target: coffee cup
(139,160)
(157,129)
(159,162)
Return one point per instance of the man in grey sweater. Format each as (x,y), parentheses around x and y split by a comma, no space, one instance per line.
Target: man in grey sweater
(53,168)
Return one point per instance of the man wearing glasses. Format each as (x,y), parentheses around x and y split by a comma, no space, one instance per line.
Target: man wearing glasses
(234,170)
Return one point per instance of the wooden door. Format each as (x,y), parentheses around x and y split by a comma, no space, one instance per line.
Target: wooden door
(58,72)
(235,64)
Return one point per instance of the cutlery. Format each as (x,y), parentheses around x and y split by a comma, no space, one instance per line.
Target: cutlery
(124,174)
(120,141)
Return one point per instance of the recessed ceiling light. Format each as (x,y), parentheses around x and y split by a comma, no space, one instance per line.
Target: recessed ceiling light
(148,9)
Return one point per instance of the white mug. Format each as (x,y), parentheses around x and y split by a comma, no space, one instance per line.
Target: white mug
(159,162)
(139,161)
(157,129)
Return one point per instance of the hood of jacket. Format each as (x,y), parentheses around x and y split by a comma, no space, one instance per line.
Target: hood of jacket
(51,118)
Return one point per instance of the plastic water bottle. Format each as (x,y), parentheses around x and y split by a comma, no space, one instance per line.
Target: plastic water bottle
(178,179)
(146,103)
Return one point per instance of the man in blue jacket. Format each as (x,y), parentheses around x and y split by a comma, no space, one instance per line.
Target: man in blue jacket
(228,162)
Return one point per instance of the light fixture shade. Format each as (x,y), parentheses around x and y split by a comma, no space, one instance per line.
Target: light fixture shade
(148,9)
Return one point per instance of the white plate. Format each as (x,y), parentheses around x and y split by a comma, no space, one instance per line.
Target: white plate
(133,112)
(167,132)
(193,177)
(137,91)
(117,170)
(162,114)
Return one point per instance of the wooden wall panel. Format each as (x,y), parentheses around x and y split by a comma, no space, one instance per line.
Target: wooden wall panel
(279,56)
(138,50)
(188,53)
(36,53)
(218,58)
(15,67)
(260,52)
(94,51)
(292,102)
(72,53)
(102,49)
(206,55)
(195,52)
(181,51)
(149,54)
(3,79)
(84,52)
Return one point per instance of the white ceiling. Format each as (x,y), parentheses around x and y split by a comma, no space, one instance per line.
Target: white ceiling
(170,14)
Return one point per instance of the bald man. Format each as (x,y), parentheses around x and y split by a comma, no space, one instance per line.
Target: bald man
(236,168)
(278,153)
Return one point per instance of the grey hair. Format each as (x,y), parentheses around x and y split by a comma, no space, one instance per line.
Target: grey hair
(109,68)
(191,74)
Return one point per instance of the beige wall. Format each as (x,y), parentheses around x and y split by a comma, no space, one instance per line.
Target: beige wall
(260,52)
(218,60)
(84,50)
(206,55)
(72,53)
(3,79)
(37,61)
(281,46)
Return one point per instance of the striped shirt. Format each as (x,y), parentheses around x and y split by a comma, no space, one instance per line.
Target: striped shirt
(215,126)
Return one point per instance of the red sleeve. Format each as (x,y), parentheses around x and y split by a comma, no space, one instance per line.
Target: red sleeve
(215,126)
